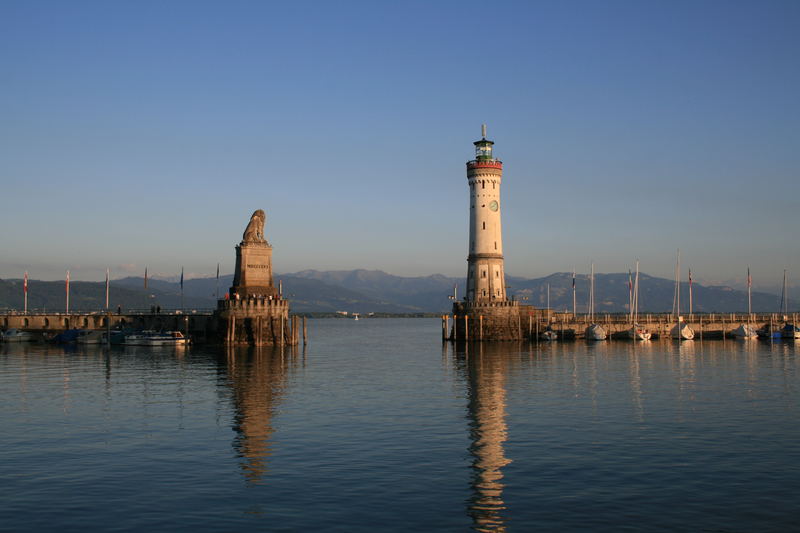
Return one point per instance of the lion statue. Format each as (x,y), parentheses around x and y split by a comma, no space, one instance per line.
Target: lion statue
(255,228)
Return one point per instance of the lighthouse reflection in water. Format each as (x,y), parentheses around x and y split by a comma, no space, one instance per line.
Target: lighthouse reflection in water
(483,367)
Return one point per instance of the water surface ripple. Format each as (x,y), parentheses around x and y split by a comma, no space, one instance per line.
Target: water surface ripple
(375,425)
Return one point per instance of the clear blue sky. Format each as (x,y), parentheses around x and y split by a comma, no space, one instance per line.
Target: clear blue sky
(145,133)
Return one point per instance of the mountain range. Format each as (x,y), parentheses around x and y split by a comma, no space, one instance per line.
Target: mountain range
(365,291)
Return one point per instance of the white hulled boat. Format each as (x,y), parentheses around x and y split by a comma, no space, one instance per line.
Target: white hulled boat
(745,331)
(680,331)
(636,331)
(16,335)
(593,332)
(153,338)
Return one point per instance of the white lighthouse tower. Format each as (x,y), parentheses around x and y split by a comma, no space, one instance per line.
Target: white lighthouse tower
(485,274)
(486,313)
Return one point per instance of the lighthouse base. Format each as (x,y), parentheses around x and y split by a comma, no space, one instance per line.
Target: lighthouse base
(489,321)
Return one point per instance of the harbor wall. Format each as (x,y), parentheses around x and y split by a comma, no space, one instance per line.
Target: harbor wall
(477,326)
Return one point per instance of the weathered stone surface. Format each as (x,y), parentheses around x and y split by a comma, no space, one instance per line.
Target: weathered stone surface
(253,274)
(254,312)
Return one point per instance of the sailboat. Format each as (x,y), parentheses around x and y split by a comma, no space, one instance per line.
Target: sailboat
(681,330)
(789,330)
(593,332)
(747,331)
(769,331)
(548,334)
(636,332)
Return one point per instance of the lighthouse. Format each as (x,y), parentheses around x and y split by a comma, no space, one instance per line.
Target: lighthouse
(485,274)
(486,313)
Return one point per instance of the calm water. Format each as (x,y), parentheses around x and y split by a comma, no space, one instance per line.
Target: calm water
(375,426)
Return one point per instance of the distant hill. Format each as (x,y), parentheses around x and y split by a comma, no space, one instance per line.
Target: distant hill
(365,291)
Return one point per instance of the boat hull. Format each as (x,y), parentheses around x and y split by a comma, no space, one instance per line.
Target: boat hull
(745,331)
(638,333)
(682,332)
(595,332)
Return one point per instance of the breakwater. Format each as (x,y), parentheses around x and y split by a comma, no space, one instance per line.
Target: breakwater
(569,326)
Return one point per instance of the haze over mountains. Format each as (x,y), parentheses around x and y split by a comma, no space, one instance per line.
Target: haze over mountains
(365,291)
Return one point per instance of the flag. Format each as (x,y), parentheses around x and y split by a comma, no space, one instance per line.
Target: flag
(67,281)
(25,283)
(690,277)
(217,271)
(630,281)
(573,279)
(145,277)
(181,278)
(749,279)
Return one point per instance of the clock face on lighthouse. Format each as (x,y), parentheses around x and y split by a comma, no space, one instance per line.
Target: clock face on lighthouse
(493,205)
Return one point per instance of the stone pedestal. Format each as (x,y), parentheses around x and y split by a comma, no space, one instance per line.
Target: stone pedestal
(256,321)
(253,274)
(253,312)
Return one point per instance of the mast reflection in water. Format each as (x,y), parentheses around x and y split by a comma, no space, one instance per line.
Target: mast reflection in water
(485,370)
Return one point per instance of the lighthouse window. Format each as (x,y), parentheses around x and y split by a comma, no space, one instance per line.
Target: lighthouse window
(483,273)
(492,185)
(484,225)
(495,245)
(497,273)
(483,184)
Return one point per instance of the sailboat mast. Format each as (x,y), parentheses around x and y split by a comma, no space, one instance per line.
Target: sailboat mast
(630,296)
(784,296)
(678,287)
(574,306)
(636,294)
(749,298)
(591,291)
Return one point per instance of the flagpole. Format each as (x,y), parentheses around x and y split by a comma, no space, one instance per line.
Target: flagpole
(217,281)
(107,272)
(67,291)
(181,288)
(690,292)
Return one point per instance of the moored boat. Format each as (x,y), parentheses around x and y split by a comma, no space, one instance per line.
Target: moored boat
(549,335)
(682,331)
(768,332)
(638,333)
(790,331)
(16,335)
(153,338)
(593,332)
(91,337)
(745,331)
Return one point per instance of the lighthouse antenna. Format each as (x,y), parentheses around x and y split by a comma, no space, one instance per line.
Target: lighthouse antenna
(483,130)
